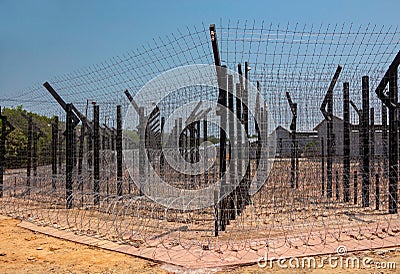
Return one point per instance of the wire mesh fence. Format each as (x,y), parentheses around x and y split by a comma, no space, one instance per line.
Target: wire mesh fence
(216,143)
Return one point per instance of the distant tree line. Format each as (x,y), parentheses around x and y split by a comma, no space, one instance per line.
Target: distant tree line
(17,140)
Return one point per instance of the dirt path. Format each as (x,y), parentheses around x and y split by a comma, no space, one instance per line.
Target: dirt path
(24,251)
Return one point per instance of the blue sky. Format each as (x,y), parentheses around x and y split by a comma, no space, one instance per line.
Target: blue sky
(46,38)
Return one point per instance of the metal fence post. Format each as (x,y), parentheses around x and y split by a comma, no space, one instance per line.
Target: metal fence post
(393,143)
(322,166)
(222,100)
(232,150)
(346,142)
(327,111)
(29,155)
(142,139)
(293,128)
(365,141)
(96,154)
(372,140)
(377,191)
(337,185)
(119,150)
(69,151)
(54,152)
(355,187)
(391,101)
(80,161)
(385,155)
(2,152)
(6,128)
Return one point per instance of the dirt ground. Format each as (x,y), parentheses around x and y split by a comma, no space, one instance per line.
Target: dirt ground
(24,251)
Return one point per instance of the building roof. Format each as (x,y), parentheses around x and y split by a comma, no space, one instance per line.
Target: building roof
(324,121)
(298,133)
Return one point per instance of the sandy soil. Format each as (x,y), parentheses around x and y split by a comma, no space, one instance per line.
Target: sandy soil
(24,251)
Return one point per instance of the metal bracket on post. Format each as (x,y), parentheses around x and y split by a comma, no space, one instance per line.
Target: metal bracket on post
(327,111)
(359,114)
(217,62)
(360,143)
(142,136)
(72,121)
(75,119)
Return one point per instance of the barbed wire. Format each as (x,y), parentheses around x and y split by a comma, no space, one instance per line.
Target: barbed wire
(279,218)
